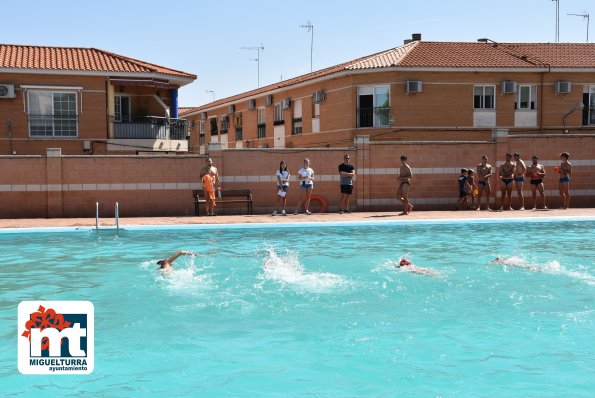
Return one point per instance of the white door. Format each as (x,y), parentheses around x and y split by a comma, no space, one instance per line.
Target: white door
(279,134)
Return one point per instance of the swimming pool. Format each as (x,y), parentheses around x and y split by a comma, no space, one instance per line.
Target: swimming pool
(329,316)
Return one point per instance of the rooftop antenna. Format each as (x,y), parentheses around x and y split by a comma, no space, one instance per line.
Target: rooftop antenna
(258,49)
(557,20)
(212,92)
(585,15)
(310,28)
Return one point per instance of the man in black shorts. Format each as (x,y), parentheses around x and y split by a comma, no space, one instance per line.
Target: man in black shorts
(346,174)
(536,172)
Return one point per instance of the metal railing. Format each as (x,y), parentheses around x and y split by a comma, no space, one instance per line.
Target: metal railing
(152,127)
(373,117)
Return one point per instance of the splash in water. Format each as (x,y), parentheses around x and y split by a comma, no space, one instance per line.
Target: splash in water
(287,270)
(551,267)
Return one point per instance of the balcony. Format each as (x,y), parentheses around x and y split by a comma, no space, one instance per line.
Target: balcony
(152,128)
(373,117)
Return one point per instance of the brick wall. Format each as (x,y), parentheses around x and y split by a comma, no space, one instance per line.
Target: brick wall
(69,186)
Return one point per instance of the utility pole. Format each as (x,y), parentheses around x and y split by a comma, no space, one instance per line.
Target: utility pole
(557,20)
(585,15)
(258,49)
(310,28)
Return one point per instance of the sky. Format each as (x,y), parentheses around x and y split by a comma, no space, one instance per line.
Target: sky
(205,37)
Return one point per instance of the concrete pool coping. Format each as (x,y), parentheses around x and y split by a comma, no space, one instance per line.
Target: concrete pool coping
(290,218)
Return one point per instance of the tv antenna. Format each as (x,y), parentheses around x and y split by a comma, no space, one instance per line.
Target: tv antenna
(211,92)
(585,15)
(258,49)
(310,28)
(557,20)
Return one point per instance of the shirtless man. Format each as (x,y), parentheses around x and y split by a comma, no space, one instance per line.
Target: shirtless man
(404,184)
(166,264)
(507,170)
(484,172)
(564,170)
(214,172)
(519,178)
(536,172)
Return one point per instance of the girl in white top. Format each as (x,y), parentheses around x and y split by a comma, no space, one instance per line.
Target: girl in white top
(282,187)
(306,178)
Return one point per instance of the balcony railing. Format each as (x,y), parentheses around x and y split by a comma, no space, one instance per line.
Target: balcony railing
(152,127)
(373,117)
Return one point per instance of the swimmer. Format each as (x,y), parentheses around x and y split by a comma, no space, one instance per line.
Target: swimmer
(408,266)
(514,262)
(166,264)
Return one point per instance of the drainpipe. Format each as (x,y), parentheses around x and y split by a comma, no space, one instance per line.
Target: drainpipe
(174,103)
(541,103)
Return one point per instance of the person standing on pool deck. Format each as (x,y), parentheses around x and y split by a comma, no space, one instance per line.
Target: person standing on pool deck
(506,180)
(346,174)
(282,187)
(209,189)
(166,264)
(214,172)
(519,178)
(306,177)
(536,172)
(405,177)
(564,170)
(484,172)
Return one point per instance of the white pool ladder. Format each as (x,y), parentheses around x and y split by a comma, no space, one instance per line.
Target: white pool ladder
(116,212)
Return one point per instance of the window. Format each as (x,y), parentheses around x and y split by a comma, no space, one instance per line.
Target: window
(201,133)
(52,114)
(122,109)
(214,128)
(373,106)
(261,123)
(484,97)
(316,111)
(224,124)
(278,115)
(238,125)
(589,107)
(527,97)
(296,127)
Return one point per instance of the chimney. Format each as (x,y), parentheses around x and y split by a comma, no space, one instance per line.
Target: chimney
(414,37)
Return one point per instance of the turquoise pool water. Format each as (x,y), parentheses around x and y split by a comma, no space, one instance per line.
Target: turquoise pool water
(329,316)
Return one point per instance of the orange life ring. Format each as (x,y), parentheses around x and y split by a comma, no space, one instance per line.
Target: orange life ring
(321,200)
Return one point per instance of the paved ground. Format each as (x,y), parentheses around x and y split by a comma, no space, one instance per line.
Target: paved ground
(327,217)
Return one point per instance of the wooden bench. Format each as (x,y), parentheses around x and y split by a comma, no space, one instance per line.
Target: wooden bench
(227,196)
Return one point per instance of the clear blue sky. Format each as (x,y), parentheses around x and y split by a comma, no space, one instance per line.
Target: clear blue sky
(204,38)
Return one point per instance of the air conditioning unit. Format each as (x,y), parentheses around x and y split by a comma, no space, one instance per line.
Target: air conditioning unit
(7,91)
(203,116)
(286,103)
(413,86)
(563,87)
(268,100)
(231,109)
(318,96)
(508,87)
(251,104)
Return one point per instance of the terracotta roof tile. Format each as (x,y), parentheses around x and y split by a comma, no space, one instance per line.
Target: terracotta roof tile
(464,55)
(77,59)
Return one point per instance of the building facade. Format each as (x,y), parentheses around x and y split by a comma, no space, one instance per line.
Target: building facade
(87,101)
(421,91)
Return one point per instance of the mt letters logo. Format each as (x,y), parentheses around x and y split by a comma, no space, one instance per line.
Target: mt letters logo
(56,337)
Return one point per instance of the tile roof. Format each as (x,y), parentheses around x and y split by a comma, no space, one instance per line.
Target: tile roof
(451,55)
(77,59)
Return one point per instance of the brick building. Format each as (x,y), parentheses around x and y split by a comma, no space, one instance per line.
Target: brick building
(87,101)
(425,91)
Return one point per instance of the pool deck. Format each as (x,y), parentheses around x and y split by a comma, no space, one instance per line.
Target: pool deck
(267,218)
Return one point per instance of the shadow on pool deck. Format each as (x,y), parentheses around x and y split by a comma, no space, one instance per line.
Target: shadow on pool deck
(267,218)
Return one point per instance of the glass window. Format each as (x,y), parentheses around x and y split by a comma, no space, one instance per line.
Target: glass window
(261,123)
(278,115)
(52,114)
(527,96)
(214,127)
(591,107)
(122,111)
(373,106)
(484,97)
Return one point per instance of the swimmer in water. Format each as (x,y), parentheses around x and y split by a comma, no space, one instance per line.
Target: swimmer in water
(514,262)
(166,264)
(408,266)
